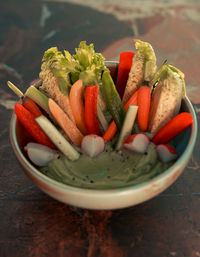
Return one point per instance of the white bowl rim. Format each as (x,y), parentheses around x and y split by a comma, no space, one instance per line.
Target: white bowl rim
(98,192)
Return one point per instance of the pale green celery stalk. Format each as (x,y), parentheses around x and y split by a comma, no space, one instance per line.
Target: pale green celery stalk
(57,138)
(167,71)
(102,118)
(145,51)
(38,97)
(181,76)
(127,125)
(156,76)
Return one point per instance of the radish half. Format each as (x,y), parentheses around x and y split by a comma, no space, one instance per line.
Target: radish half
(137,143)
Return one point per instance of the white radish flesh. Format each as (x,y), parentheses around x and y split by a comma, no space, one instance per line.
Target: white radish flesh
(166,153)
(137,143)
(92,145)
(40,154)
(127,125)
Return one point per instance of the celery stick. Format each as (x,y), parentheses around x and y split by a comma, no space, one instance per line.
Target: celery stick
(57,138)
(38,97)
(102,118)
(127,125)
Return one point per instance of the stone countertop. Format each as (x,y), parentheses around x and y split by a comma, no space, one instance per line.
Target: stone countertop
(32,223)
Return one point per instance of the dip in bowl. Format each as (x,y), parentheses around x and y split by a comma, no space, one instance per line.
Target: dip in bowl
(109,198)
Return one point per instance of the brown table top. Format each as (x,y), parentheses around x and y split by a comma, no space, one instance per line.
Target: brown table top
(32,223)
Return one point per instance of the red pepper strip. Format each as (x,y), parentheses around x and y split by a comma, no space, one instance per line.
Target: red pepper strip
(27,120)
(173,128)
(91,119)
(30,105)
(112,129)
(125,63)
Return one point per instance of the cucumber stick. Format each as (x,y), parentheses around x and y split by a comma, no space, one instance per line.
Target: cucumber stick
(127,125)
(38,97)
(57,138)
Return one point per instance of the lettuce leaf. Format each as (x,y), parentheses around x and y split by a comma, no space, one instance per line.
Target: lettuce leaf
(86,64)
(54,61)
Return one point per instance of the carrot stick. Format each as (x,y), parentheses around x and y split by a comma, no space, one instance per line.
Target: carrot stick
(26,118)
(30,105)
(110,132)
(132,101)
(112,129)
(77,106)
(144,101)
(91,119)
(125,63)
(173,128)
(70,129)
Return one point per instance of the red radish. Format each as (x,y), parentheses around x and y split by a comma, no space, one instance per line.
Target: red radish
(91,120)
(27,120)
(125,63)
(166,153)
(173,128)
(92,145)
(137,143)
(112,129)
(30,105)
(77,106)
(144,101)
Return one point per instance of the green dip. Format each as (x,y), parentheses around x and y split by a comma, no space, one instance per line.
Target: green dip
(110,169)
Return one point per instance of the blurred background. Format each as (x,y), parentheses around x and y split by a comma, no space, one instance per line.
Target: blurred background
(31,223)
(28,28)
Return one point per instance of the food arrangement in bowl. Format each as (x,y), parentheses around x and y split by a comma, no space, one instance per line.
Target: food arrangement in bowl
(104,135)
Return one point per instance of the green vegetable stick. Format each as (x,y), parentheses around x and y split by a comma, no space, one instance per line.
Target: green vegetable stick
(112,99)
(102,118)
(38,97)
(127,125)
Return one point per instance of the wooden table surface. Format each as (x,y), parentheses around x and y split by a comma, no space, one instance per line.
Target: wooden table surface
(34,225)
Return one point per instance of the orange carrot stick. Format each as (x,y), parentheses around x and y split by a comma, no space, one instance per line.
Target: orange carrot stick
(132,101)
(144,101)
(110,132)
(173,128)
(70,129)
(112,129)
(77,106)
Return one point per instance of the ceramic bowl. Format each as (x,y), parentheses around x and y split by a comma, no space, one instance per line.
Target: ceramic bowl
(110,198)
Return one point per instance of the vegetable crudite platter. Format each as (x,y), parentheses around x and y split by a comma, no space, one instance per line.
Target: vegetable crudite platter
(104,135)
